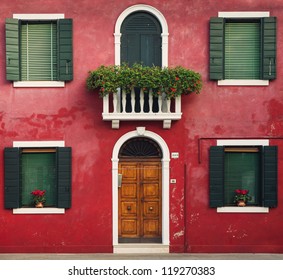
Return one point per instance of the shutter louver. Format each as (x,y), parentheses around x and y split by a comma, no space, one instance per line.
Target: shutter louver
(242,50)
(270,176)
(216,49)
(39,51)
(64,177)
(12,178)
(269,48)
(216,176)
(12,50)
(65,50)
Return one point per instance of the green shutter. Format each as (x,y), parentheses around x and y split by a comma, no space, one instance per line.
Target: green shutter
(64,176)
(216,49)
(216,176)
(270,176)
(269,48)
(12,50)
(12,178)
(141,40)
(65,49)
(242,50)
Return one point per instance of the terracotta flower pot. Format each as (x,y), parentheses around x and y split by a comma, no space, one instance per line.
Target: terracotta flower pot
(241,203)
(39,205)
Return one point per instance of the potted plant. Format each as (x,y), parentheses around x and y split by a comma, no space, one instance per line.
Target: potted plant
(171,81)
(242,197)
(38,197)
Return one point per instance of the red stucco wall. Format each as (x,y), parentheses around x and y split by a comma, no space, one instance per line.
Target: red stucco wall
(73,114)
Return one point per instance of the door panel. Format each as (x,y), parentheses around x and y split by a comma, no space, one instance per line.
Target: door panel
(140,202)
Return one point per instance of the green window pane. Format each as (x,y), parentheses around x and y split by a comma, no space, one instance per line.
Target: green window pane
(38,51)
(242,50)
(242,171)
(38,172)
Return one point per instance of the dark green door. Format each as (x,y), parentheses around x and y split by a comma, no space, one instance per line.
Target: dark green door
(141,40)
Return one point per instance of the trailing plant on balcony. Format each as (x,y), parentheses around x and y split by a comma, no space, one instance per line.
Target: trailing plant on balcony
(171,81)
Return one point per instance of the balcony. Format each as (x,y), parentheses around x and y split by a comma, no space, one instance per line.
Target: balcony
(140,106)
(142,93)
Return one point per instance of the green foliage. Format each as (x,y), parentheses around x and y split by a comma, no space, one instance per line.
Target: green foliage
(171,81)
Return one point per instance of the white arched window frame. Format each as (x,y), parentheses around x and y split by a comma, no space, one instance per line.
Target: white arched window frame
(154,12)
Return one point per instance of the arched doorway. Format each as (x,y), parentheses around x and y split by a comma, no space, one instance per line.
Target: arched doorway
(140,192)
(162,247)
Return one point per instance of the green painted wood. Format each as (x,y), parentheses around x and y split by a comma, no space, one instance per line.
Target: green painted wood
(12,186)
(12,50)
(65,49)
(270,181)
(216,176)
(64,177)
(216,49)
(269,48)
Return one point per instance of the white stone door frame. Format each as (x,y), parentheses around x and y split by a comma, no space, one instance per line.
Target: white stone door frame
(142,248)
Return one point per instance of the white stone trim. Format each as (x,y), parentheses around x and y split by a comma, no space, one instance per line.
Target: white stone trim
(38,84)
(38,144)
(229,82)
(246,209)
(44,210)
(151,10)
(243,142)
(243,14)
(142,132)
(38,16)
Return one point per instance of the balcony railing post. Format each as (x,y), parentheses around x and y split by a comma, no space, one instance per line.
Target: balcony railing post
(106,104)
(133,102)
(141,100)
(124,96)
(178,105)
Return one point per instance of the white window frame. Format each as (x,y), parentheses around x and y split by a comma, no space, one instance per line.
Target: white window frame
(232,82)
(243,142)
(38,83)
(38,144)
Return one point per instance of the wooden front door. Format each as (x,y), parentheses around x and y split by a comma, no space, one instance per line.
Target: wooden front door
(140,204)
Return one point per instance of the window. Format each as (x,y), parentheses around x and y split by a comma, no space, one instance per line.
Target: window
(141,39)
(27,169)
(243,48)
(39,50)
(252,168)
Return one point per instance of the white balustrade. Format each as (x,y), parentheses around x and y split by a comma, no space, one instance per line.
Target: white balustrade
(139,105)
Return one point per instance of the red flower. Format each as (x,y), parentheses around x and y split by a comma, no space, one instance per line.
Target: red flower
(238,191)
(244,192)
(38,193)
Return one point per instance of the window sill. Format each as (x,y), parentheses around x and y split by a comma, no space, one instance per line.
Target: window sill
(247,209)
(243,82)
(39,84)
(44,210)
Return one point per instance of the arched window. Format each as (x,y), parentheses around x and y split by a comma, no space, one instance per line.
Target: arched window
(140,147)
(141,39)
